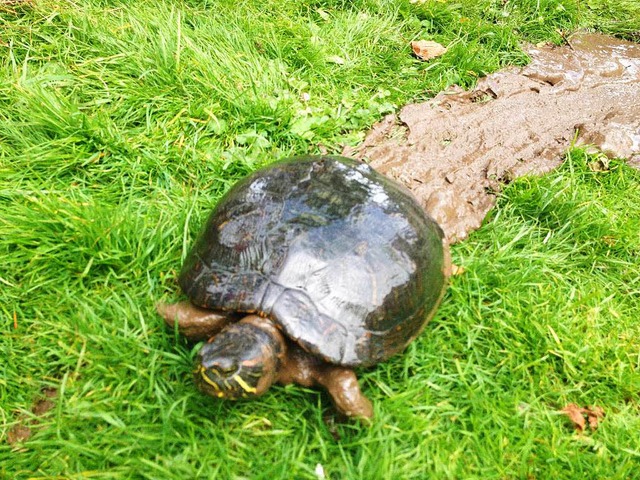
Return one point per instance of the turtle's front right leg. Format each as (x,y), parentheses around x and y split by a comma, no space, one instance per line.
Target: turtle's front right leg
(193,322)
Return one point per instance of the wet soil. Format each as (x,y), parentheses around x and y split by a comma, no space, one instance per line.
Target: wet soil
(456,150)
(21,432)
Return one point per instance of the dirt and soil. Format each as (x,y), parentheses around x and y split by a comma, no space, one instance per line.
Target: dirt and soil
(21,432)
(455,151)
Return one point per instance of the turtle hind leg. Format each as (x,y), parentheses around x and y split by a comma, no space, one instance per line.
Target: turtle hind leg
(193,322)
(340,382)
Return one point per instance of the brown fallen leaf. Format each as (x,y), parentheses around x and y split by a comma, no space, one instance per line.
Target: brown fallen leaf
(579,416)
(427,49)
(574,412)
(594,414)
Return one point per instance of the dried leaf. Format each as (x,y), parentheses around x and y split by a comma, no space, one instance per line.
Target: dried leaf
(579,416)
(427,49)
(594,414)
(574,412)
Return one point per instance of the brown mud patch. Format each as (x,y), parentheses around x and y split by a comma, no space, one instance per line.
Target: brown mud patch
(456,150)
(22,431)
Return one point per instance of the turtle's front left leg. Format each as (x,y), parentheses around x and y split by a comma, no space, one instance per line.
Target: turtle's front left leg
(341,382)
(342,385)
(193,322)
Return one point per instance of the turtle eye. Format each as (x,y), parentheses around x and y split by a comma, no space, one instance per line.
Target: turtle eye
(225,367)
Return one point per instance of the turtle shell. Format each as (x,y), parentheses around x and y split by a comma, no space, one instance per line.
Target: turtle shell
(342,258)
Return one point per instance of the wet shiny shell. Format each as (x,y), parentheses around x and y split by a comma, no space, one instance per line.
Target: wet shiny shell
(343,259)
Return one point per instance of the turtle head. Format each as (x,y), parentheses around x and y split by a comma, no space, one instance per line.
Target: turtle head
(241,361)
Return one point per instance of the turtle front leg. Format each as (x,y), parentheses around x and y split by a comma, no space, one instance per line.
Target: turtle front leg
(193,322)
(342,385)
(341,382)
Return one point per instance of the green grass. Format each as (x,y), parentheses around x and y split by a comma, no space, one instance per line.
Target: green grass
(122,123)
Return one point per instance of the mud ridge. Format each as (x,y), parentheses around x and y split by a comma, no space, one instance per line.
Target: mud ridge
(456,150)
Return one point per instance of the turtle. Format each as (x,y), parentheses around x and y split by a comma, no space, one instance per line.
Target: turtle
(304,270)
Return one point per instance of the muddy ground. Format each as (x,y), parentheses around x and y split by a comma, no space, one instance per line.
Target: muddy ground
(456,150)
